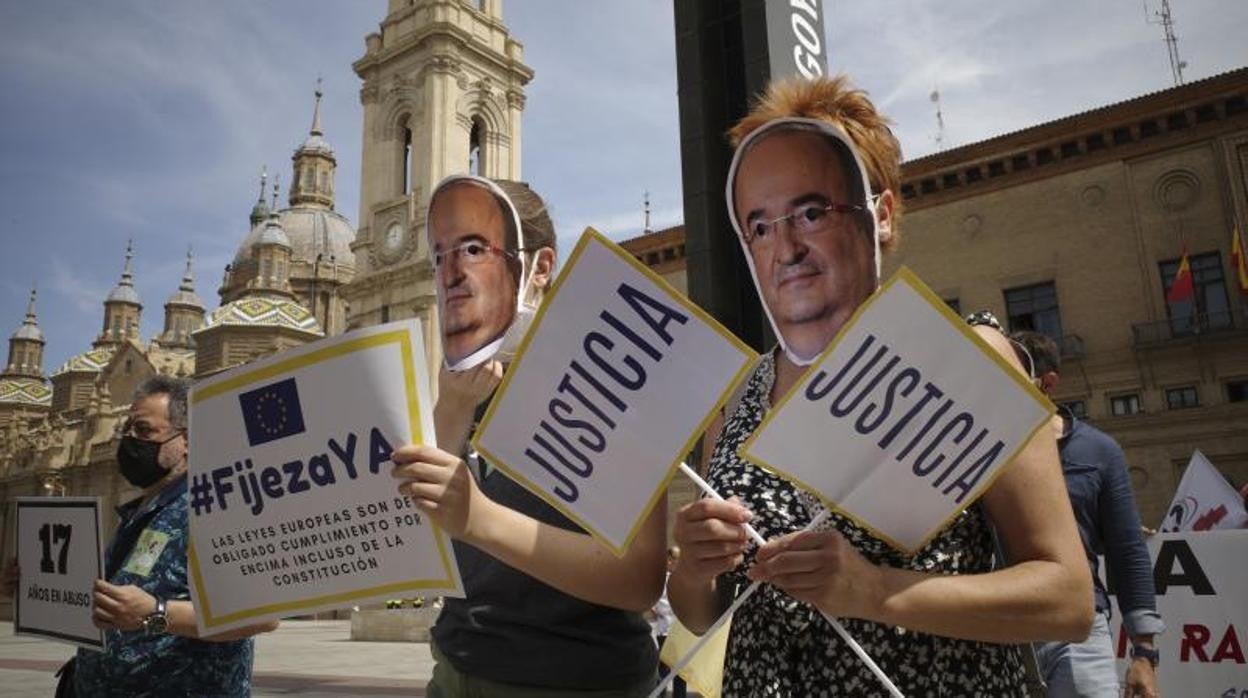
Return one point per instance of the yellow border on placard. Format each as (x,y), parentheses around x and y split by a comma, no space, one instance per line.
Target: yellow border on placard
(591,236)
(909,278)
(404,340)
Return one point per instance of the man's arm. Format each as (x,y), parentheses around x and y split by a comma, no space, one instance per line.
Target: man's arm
(1127,556)
(1126,553)
(125,607)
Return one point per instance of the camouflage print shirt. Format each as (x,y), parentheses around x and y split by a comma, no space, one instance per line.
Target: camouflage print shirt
(149,551)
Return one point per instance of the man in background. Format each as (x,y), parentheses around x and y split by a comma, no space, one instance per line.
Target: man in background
(1109,524)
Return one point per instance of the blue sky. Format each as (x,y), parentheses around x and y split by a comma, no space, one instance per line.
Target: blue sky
(150,119)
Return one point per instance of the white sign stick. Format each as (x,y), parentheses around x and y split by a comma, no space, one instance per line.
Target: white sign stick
(758,538)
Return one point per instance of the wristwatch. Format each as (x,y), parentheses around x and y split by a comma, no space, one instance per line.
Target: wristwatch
(157,622)
(1152,654)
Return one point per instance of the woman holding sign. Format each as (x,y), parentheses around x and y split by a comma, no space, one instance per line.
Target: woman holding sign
(549,610)
(813,196)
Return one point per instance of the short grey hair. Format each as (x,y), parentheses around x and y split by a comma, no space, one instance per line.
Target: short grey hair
(175,388)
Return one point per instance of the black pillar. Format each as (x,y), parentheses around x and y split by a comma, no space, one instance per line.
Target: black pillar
(724,59)
(714,92)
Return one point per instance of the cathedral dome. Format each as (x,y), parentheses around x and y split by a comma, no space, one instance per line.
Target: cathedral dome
(124,294)
(25,391)
(264,311)
(29,332)
(310,231)
(273,234)
(317,145)
(185,297)
(93,361)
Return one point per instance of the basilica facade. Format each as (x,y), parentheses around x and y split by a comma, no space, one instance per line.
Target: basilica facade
(443,91)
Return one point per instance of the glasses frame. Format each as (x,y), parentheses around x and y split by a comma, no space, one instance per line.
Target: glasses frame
(792,217)
(455,250)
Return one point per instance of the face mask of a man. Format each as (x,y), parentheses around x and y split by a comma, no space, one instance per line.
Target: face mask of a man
(139,460)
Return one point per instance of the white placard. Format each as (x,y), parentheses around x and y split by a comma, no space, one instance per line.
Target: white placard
(1202,597)
(904,420)
(293,507)
(60,555)
(615,381)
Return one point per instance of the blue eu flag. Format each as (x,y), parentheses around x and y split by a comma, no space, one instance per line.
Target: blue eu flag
(272,412)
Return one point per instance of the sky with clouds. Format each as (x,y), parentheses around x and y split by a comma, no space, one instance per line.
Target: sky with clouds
(150,119)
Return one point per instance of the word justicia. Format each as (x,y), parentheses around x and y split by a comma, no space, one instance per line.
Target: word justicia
(254,484)
(938,438)
(594,390)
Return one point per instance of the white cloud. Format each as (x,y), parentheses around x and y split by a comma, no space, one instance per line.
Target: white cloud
(83,295)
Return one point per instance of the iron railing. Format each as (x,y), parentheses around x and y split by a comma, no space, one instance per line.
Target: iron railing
(1189,326)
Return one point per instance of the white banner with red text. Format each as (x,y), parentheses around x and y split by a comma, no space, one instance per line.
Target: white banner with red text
(1202,595)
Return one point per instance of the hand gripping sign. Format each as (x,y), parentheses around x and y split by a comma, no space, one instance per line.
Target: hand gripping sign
(904,420)
(293,509)
(59,552)
(614,383)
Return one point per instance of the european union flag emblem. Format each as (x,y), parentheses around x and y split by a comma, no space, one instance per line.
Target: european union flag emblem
(272,412)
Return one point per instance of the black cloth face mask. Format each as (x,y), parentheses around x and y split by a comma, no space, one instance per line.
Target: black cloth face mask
(139,460)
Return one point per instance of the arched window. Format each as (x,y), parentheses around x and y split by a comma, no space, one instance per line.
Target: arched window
(264,268)
(476,157)
(405,158)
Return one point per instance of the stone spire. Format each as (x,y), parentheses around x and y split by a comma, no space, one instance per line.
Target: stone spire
(26,345)
(314,165)
(124,292)
(184,312)
(122,308)
(30,326)
(316,111)
(260,211)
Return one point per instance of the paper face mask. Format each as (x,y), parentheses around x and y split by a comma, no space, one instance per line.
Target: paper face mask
(805,210)
(479,270)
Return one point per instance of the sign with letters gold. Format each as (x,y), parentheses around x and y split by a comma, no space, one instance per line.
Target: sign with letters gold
(293,508)
(613,384)
(904,420)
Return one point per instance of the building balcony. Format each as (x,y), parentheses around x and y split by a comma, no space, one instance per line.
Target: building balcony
(1226,323)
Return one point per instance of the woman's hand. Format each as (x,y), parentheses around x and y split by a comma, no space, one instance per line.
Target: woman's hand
(441,486)
(465,390)
(712,539)
(823,569)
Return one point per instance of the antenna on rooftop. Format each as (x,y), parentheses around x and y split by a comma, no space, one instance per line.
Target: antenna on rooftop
(1166,19)
(940,120)
(646,229)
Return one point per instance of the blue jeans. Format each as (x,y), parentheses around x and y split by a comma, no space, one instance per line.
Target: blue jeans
(1081,669)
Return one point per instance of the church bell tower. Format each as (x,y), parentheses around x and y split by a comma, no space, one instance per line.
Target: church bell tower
(443,94)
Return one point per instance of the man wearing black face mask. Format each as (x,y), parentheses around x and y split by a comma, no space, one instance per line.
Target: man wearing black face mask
(144,601)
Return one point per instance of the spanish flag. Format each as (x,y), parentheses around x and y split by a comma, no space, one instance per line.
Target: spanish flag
(1182,289)
(1239,259)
